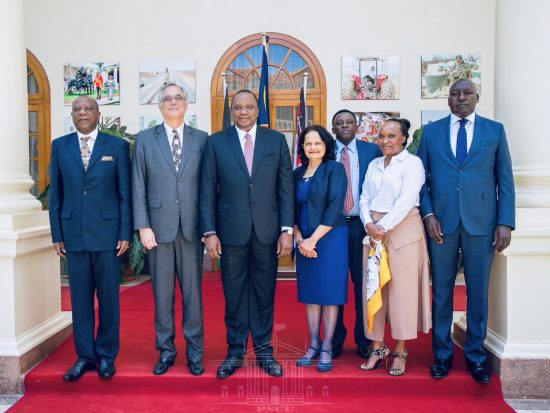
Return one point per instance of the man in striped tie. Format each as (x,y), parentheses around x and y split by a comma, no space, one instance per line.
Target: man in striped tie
(468,204)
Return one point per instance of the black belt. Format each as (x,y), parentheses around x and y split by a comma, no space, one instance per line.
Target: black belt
(352,218)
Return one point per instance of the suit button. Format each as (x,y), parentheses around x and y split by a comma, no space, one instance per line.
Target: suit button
(458,189)
(85,192)
(177,201)
(251,185)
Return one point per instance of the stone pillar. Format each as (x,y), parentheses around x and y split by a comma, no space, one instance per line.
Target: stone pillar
(518,336)
(31,321)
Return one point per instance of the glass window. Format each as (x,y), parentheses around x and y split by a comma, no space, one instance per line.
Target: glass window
(33,170)
(253,81)
(32,87)
(240,62)
(255,54)
(294,62)
(33,146)
(33,122)
(283,81)
(299,80)
(284,118)
(276,54)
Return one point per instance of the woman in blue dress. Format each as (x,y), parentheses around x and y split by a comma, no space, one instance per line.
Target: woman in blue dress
(321,236)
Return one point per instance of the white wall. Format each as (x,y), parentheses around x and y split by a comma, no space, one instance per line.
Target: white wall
(130,31)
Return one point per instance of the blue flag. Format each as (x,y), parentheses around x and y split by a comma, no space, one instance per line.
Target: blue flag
(226,120)
(263,93)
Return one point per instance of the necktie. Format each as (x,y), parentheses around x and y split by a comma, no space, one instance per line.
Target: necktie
(461,146)
(344,159)
(248,152)
(176,149)
(85,151)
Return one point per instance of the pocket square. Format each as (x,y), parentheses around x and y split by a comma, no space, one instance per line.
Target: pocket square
(107,158)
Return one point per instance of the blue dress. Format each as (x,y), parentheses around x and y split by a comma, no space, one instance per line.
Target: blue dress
(322,280)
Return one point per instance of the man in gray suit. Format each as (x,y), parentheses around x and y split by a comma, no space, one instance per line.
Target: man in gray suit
(166,173)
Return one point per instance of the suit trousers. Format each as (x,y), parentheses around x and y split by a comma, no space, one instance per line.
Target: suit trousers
(477,256)
(93,272)
(356,232)
(249,276)
(179,259)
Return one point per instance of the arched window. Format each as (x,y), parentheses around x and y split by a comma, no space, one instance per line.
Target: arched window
(288,59)
(38,90)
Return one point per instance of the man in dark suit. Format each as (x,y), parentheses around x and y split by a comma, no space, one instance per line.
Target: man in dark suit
(355,155)
(247,210)
(467,203)
(91,222)
(166,174)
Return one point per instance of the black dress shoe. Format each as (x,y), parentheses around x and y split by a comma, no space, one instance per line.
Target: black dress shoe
(479,371)
(196,368)
(78,370)
(441,368)
(336,350)
(270,366)
(229,366)
(162,366)
(106,369)
(364,351)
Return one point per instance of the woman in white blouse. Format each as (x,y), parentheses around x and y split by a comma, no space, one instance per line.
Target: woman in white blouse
(389,211)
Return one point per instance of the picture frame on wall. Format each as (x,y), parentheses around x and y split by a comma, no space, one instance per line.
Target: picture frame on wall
(370,78)
(429,116)
(98,80)
(439,71)
(153,75)
(369,124)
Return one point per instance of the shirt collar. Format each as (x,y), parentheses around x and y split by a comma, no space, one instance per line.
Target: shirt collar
(251,132)
(92,134)
(471,117)
(169,130)
(352,146)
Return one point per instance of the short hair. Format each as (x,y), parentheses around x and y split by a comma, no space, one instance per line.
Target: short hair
(170,84)
(343,111)
(96,105)
(326,137)
(245,91)
(404,126)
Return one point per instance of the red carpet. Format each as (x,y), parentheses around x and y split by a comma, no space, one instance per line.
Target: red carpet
(345,388)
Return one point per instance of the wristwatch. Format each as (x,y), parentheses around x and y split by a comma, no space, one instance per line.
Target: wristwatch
(289,231)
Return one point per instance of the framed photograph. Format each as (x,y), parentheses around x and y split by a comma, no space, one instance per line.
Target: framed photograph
(100,81)
(152,75)
(365,78)
(429,116)
(369,123)
(146,122)
(439,71)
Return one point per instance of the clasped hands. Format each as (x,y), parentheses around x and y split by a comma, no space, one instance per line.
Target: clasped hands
(376,232)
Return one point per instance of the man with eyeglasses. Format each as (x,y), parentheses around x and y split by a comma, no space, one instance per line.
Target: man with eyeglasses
(91,223)
(247,210)
(166,171)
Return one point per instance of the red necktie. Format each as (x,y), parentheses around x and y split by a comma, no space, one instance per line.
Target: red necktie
(348,202)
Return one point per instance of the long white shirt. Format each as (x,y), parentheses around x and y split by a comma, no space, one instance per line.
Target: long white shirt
(394,190)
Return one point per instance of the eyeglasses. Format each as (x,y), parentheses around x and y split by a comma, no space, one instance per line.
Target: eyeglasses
(249,108)
(177,98)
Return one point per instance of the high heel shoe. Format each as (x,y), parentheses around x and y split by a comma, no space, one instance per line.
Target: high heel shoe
(322,366)
(381,353)
(306,360)
(394,371)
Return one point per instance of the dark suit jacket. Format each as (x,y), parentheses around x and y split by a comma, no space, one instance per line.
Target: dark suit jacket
(162,196)
(481,192)
(232,201)
(367,152)
(326,194)
(90,211)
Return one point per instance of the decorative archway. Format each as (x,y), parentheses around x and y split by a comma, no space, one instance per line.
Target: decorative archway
(38,90)
(288,60)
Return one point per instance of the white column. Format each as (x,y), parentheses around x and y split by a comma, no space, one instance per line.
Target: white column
(29,270)
(519,330)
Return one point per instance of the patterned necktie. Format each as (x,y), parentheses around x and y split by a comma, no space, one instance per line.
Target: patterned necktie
(176,149)
(85,151)
(344,159)
(248,152)
(461,146)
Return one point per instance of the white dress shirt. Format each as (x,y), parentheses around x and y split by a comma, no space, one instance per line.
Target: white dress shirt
(91,141)
(455,124)
(170,135)
(354,172)
(393,190)
(251,132)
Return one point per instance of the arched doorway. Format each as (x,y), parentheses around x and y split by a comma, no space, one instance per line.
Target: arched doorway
(288,60)
(38,90)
